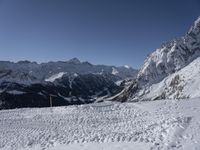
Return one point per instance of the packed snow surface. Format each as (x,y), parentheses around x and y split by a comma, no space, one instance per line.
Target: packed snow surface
(166,124)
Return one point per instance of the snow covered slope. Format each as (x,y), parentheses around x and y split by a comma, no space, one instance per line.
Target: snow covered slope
(185,83)
(167,124)
(169,72)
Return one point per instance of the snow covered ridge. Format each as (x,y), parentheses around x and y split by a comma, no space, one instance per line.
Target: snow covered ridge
(172,56)
(166,65)
(167,124)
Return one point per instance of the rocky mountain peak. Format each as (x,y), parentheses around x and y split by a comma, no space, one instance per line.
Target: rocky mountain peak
(74,61)
(195,29)
(172,56)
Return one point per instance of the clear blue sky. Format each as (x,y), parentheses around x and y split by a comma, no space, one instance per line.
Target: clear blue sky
(113,32)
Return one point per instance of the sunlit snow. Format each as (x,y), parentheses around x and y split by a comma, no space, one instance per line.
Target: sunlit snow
(166,124)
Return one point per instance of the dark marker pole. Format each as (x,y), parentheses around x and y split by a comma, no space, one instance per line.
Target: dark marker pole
(50,101)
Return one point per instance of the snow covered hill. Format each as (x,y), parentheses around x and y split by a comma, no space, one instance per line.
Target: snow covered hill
(169,72)
(167,124)
(28,84)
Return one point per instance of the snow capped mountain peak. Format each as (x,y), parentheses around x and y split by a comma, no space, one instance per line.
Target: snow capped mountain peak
(126,66)
(172,56)
(74,60)
(197,22)
(195,27)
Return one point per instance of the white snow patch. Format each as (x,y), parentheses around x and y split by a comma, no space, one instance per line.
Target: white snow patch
(114,71)
(54,77)
(126,66)
(119,82)
(75,75)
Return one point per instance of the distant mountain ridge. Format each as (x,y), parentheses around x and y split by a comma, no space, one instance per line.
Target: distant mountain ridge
(26,72)
(29,84)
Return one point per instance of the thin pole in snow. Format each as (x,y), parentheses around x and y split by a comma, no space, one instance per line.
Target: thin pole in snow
(50,101)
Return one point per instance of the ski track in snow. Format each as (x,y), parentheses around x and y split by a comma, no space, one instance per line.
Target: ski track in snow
(157,125)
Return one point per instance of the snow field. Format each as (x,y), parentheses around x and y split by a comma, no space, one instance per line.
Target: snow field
(146,125)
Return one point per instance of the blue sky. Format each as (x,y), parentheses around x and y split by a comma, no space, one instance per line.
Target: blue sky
(112,32)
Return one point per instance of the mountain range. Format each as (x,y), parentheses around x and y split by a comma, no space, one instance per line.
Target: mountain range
(29,84)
